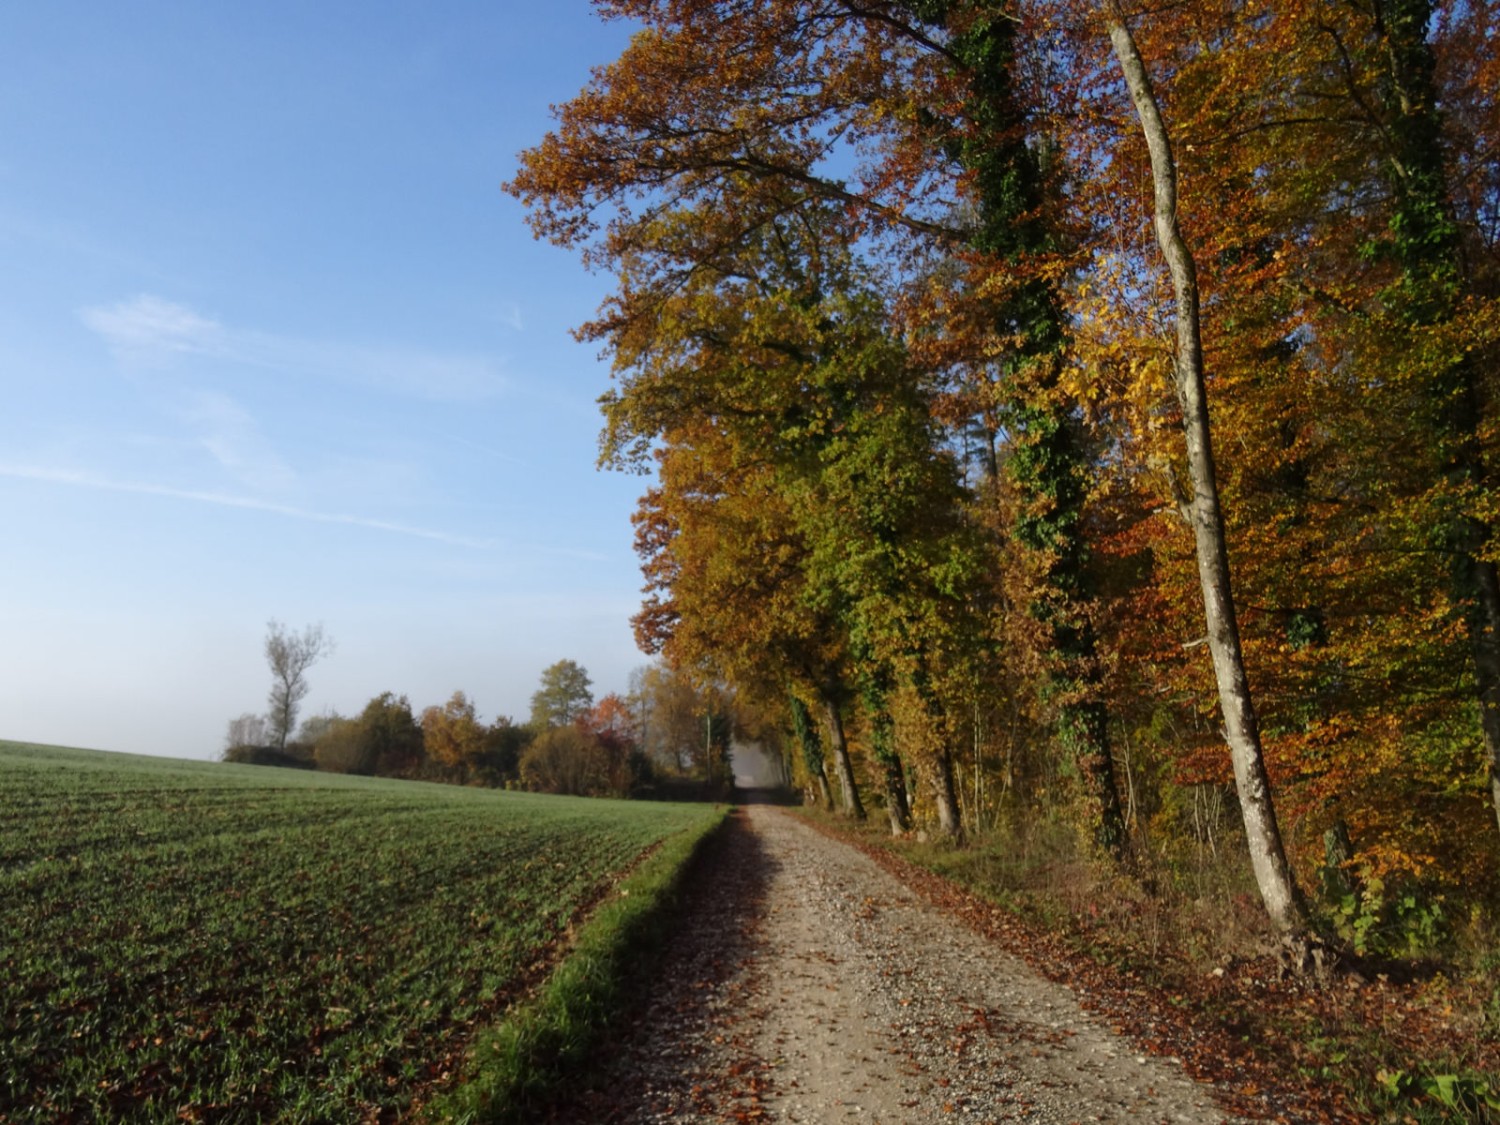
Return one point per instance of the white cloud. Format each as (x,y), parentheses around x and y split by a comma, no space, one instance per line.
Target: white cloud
(234,439)
(148,329)
(82,479)
(225,500)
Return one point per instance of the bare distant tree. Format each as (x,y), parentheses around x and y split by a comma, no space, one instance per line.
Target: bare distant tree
(290,656)
(248,730)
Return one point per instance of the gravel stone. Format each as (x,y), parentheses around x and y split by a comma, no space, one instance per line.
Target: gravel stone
(806,984)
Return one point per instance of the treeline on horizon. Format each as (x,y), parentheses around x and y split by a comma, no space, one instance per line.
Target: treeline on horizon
(665,738)
(1072,413)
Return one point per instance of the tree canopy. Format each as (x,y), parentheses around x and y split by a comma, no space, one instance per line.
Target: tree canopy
(1059,388)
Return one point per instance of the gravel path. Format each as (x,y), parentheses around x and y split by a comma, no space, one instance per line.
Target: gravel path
(809,985)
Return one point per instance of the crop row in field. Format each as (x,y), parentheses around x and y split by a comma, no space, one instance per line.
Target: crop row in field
(215,942)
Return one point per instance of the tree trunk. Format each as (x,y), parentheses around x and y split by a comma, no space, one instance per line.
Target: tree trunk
(1242,730)
(825,793)
(853,806)
(896,806)
(1428,249)
(950,823)
(1085,729)
(1048,460)
(1479,584)
(882,747)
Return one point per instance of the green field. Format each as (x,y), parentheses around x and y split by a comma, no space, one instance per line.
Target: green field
(199,941)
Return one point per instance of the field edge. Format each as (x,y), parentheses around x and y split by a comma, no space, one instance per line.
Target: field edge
(516,1065)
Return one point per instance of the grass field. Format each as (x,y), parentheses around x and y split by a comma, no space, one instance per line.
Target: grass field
(200,941)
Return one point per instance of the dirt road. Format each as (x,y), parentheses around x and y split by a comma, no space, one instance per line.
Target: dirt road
(808,985)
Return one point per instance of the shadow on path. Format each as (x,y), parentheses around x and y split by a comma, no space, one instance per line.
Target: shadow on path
(683,1053)
(779,795)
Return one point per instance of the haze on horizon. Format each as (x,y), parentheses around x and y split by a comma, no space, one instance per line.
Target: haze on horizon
(274,344)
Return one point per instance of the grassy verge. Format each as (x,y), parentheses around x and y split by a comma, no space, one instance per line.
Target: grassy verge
(515,1066)
(1187,968)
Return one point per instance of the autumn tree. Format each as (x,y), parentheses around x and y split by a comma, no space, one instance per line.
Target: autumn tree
(806,512)
(1005,334)
(1434,284)
(727,165)
(946,195)
(334,744)
(1242,729)
(583,762)
(681,722)
(452,734)
(613,713)
(566,760)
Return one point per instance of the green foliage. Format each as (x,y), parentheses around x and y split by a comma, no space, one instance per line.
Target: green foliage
(1396,921)
(563,696)
(390,737)
(806,732)
(301,946)
(499,759)
(1469,1097)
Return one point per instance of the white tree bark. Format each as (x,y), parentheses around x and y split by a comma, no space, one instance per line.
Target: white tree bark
(1242,730)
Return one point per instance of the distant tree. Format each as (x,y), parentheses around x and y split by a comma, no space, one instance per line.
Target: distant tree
(316,726)
(290,655)
(690,722)
(336,744)
(613,713)
(451,734)
(383,739)
(584,763)
(391,737)
(248,730)
(565,759)
(500,755)
(563,697)
(669,713)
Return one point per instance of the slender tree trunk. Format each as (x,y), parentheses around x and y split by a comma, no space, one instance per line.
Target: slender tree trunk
(1484,632)
(1263,836)
(853,806)
(882,745)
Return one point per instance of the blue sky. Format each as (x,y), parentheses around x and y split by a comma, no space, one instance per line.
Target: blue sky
(273,343)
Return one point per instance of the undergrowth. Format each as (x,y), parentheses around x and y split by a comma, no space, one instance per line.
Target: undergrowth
(1408,1032)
